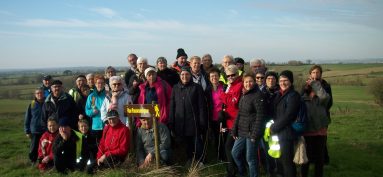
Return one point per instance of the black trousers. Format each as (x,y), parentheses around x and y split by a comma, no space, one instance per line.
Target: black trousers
(34,146)
(285,164)
(315,149)
(231,167)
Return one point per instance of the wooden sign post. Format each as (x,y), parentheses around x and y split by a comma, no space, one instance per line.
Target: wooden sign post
(149,111)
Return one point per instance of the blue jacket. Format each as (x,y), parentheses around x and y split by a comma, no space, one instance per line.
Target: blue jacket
(34,118)
(98,97)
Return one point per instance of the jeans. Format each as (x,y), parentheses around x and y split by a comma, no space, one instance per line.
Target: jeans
(245,145)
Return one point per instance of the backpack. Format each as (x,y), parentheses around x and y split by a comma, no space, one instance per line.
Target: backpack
(300,124)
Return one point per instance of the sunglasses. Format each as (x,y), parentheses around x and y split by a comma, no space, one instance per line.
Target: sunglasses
(231,75)
(259,77)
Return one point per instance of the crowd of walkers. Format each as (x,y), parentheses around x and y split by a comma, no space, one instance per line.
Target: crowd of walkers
(201,107)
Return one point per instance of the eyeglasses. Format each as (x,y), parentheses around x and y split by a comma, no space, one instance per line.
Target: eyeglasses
(116,84)
(259,77)
(231,75)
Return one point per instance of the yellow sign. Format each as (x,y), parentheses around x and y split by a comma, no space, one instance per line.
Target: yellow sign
(142,110)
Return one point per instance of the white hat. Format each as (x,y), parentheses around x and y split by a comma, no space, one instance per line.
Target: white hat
(147,70)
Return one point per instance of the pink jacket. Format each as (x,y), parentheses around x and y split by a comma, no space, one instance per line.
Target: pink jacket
(163,95)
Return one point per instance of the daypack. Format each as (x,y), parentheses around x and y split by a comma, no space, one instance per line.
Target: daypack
(300,124)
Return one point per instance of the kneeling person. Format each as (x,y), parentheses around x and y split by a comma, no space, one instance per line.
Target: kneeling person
(69,149)
(145,143)
(114,144)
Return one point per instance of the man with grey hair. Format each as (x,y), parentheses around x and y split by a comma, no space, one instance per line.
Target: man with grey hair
(258,65)
(116,99)
(132,68)
(226,61)
(90,81)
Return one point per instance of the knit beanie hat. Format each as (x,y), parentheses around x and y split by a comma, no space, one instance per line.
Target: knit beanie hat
(288,74)
(271,73)
(239,60)
(186,68)
(181,52)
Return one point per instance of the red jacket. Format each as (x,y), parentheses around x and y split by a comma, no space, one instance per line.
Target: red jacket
(45,147)
(115,141)
(178,68)
(231,100)
(163,95)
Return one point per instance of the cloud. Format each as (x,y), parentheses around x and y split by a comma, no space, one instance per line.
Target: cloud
(54,23)
(7,13)
(106,12)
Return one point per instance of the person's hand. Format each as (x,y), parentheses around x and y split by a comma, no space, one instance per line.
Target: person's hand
(45,159)
(95,111)
(80,116)
(101,160)
(235,137)
(28,135)
(135,83)
(252,140)
(148,159)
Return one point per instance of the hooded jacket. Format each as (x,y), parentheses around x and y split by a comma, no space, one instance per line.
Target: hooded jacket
(231,99)
(94,101)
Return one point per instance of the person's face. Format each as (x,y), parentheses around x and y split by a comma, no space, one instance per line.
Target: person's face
(90,81)
(83,127)
(260,79)
(52,126)
(65,130)
(195,65)
(256,66)
(315,74)
(181,60)
(214,78)
(239,65)
(185,77)
(248,83)
(39,94)
(132,62)
(146,123)
(284,83)
(56,90)
(80,82)
(85,91)
(100,84)
(116,86)
(231,77)
(110,73)
(47,83)
(141,66)
(207,62)
(271,81)
(151,77)
(226,62)
(113,121)
(161,65)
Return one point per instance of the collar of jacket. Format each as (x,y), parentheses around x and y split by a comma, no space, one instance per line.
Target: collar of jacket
(62,96)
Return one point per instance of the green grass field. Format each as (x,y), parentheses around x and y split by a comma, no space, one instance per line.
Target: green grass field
(355,137)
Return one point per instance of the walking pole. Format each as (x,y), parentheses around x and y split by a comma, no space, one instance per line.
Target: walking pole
(156,143)
(219,140)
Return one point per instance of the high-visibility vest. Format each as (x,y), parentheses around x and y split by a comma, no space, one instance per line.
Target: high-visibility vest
(273,140)
(78,146)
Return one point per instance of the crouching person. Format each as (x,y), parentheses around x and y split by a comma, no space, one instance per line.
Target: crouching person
(69,149)
(45,153)
(114,143)
(83,126)
(145,143)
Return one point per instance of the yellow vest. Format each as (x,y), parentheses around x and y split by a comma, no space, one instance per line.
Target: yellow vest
(273,140)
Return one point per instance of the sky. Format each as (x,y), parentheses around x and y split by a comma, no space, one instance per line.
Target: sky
(70,33)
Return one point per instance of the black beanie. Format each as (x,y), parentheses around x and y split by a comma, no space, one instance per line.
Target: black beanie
(239,60)
(181,52)
(288,74)
(271,73)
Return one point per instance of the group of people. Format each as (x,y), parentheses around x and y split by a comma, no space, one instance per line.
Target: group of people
(200,105)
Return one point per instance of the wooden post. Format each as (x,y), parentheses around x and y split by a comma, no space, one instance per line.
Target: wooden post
(131,135)
(156,141)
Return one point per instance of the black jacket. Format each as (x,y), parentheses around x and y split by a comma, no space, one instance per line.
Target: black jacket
(169,75)
(64,107)
(64,153)
(250,119)
(188,114)
(286,108)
